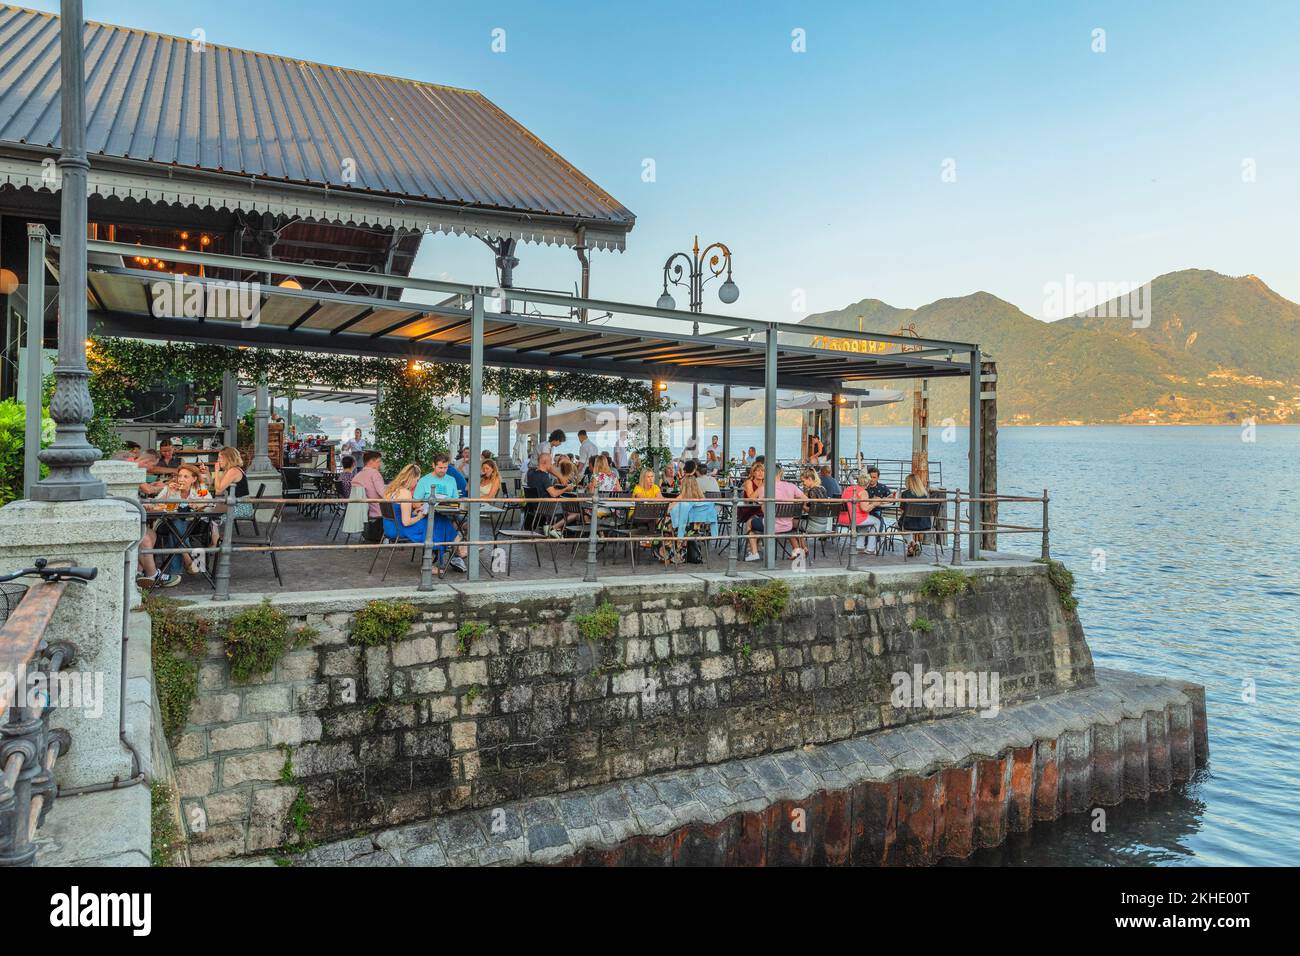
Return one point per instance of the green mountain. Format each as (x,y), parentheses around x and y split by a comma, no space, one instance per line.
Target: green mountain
(1217,349)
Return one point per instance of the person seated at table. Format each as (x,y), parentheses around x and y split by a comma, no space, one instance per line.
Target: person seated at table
(785,491)
(751,457)
(877,490)
(230,471)
(690,510)
(859,512)
(347,465)
(602,477)
(646,486)
(827,478)
(914,487)
(412,519)
(148,458)
(546,483)
(371,479)
(130,452)
(459,472)
(813,489)
(167,461)
(149,574)
(751,489)
(185,488)
(489,479)
(708,484)
(439,483)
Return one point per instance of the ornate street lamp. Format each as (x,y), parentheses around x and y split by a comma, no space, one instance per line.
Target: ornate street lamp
(70,456)
(691,271)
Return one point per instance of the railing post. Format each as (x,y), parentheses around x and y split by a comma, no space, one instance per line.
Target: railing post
(1047,554)
(590,576)
(734,550)
(956,527)
(426,559)
(222,582)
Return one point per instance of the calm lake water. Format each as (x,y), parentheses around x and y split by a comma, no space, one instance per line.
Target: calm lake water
(1185,546)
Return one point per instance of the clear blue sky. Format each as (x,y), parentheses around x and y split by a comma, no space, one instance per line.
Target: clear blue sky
(822,169)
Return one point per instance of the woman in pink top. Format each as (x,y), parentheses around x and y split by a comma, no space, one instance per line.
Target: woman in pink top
(785,491)
(859,510)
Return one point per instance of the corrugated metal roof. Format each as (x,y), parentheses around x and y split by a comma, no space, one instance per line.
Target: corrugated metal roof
(156,99)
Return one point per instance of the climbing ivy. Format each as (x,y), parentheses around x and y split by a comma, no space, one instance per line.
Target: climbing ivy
(409,420)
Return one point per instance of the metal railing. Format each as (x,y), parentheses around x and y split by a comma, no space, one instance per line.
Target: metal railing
(951,528)
(28,746)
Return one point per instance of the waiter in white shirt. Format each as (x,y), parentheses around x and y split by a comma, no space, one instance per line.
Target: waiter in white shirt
(587,449)
(621,459)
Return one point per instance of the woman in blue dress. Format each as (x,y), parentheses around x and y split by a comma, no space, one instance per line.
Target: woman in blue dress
(412,519)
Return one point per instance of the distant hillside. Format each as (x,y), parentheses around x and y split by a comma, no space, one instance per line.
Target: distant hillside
(1218,349)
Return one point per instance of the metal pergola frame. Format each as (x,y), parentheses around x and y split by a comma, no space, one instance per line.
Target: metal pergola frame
(535,342)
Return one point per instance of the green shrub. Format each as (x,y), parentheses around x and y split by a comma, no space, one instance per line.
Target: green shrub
(258,637)
(945,584)
(923,624)
(383,622)
(467,634)
(758,603)
(165,837)
(176,636)
(1063,580)
(13,438)
(300,812)
(600,624)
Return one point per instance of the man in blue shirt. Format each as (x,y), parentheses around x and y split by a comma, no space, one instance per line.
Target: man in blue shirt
(833,489)
(441,482)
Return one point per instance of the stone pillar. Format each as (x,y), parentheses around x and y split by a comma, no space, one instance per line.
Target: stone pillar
(97,533)
(505,460)
(260,470)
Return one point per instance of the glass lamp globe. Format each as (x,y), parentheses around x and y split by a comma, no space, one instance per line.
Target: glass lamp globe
(729,292)
(665,302)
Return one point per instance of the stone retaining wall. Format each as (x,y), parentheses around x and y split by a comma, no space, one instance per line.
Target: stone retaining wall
(909,796)
(383,736)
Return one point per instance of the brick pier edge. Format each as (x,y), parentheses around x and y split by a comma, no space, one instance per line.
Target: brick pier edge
(906,796)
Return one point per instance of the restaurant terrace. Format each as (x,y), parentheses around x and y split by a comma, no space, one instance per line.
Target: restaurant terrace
(255,202)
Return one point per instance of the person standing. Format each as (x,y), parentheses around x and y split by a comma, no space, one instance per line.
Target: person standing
(356,445)
(622,461)
(587,449)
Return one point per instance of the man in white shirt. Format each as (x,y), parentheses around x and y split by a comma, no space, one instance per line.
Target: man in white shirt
(587,449)
(621,459)
(355,446)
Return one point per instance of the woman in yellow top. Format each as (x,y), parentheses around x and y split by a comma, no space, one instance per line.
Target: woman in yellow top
(645,486)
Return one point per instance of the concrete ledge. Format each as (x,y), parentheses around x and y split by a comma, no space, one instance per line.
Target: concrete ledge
(913,794)
(495,591)
(109,828)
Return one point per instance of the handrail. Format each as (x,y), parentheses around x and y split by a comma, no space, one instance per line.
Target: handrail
(22,634)
(949,524)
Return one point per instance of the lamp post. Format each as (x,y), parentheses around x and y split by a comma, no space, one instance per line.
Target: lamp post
(691,271)
(70,456)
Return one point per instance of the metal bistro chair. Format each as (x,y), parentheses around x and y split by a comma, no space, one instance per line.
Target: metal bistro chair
(327,486)
(291,485)
(389,513)
(531,513)
(606,524)
(261,490)
(266,523)
(923,509)
(786,509)
(646,517)
(828,510)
